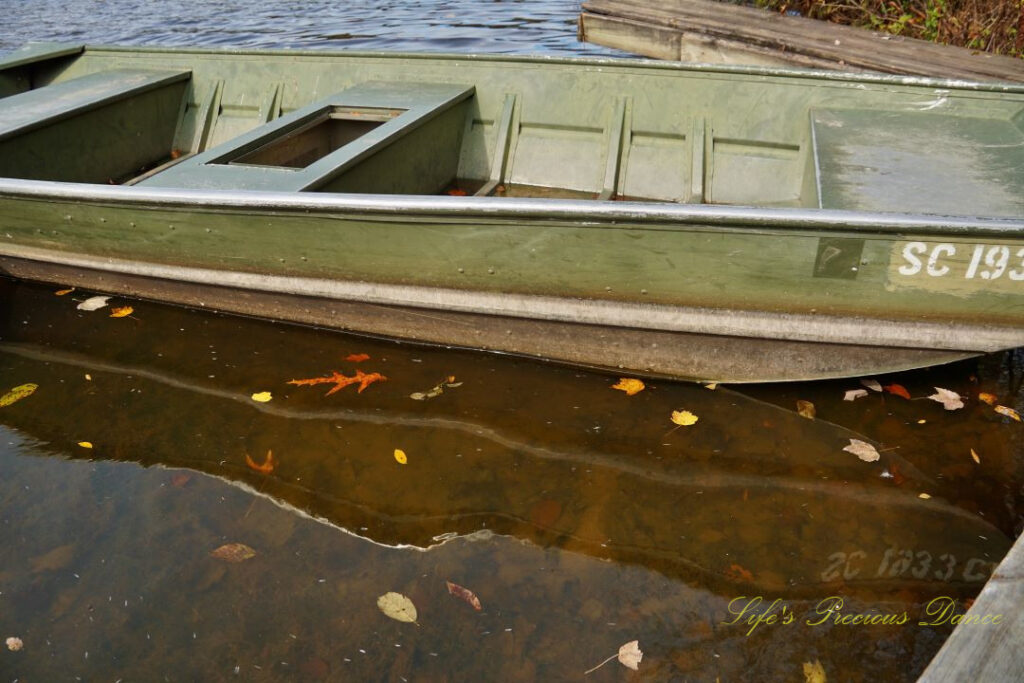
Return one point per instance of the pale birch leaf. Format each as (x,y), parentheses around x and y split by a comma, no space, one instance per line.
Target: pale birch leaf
(950,400)
(630,655)
(398,607)
(862,450)
(854,394)
(872,384)
(93,303)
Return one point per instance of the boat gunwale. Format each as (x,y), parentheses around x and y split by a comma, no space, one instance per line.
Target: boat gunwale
(580,212)
(617,62)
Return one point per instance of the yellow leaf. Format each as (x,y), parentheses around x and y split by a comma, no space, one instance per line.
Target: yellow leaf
(923,496)
(85,444)
(806,409)
(121,311)
(62,292)
(88,377)
(974,455)
(863,450)
(400,456)
(987,398)
(17,393)
(712,386)
(1008,412)
(684,418)
(262,396)
(814,672)
(629,385)
(398,607)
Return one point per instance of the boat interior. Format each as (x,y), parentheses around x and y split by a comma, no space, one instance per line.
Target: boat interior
(433,125)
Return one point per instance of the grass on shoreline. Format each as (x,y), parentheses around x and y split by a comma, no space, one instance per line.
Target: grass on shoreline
(995,26)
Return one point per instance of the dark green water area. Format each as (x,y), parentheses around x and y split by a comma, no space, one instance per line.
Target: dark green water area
(580,517)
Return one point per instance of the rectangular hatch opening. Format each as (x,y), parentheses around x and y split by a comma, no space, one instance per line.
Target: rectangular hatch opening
(328,131)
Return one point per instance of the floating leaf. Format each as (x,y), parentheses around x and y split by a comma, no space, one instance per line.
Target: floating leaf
(438,389)
(85,444)
(62,292)
(736,572)
(233,552)
(93,303)
(341,381)
(121,311)
(629,655)
(464,594)
(897,390)
(711,385)
(684,418)
(805,409)
(862,450)
(456,192)
(266,468)
(987,398)
(872,384)
(262,396)
(88,377)
(950,400)
(14,643)
(814,672)
(629,385)
(923,496)
(179,480)
(17,393)
(854,394)
(398,607)
(400,456)
(974,455)
(1008,412)
(357,357)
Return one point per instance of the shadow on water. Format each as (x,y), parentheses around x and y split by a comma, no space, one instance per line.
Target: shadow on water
(582,517)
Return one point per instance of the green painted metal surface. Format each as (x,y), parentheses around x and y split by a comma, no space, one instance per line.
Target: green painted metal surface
(654,135)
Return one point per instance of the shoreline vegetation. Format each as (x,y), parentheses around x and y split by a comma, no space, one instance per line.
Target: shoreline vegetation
(995,26)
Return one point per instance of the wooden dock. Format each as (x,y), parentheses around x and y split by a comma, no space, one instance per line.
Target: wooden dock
(987,651)
(716,32)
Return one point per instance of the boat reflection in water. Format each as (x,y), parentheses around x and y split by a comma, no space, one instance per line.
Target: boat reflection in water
(568,507)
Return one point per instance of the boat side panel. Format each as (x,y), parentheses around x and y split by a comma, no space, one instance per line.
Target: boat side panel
(798,271)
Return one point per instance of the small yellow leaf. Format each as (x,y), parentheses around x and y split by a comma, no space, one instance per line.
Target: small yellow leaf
(921,422)
(814,672)
(262,396)
(85,444)
(17,393)
(400,456)
(121,311)
(805,409)
(398,607)
(987,398)
(629,385)
(1008,412)
(88,377)
(711,385)
(974,454)
(923,496)
(684,418)
(62,292)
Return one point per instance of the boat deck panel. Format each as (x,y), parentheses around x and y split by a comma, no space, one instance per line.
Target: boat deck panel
(918,162)
(259,160)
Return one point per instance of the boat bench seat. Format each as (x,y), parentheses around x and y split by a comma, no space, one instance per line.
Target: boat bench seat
(918,162)
(375,137)
(92,128)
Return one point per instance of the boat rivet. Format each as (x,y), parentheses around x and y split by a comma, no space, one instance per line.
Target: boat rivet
(281,260)
(102,219)
(491,271)
(304,258)
(462,270)
(131,223)
(643,291)
(67,216)
(607,289)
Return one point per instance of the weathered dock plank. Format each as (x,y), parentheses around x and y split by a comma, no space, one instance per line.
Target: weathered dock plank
(707,31)
(988,651)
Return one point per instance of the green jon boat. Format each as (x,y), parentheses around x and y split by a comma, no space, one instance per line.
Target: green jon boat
(712,223)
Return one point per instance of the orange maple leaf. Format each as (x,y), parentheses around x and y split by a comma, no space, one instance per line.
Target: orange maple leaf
(341,381)
(357,357)
(897,390)
(266,468)
(736,572)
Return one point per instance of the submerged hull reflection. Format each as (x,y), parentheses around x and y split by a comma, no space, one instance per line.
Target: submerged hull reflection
(752,498)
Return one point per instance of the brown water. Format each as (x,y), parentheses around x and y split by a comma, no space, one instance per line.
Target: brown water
(581,517)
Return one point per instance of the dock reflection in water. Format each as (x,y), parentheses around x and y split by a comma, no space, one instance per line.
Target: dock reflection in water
(582,517)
